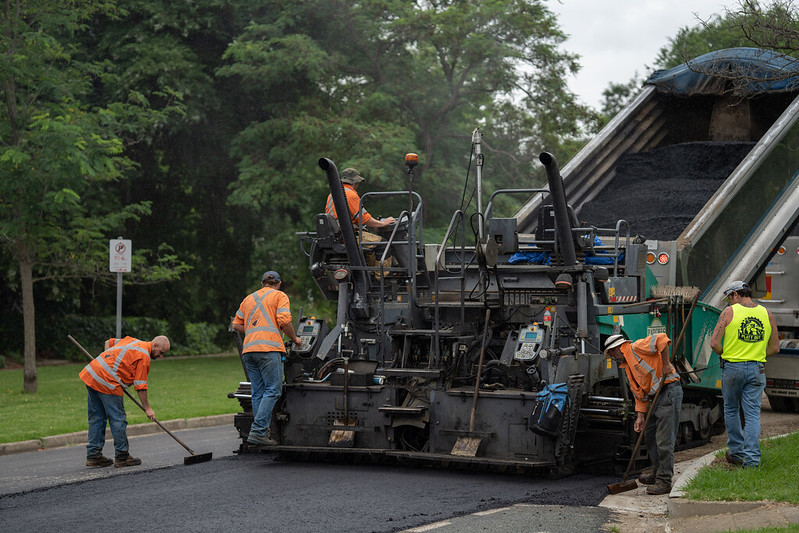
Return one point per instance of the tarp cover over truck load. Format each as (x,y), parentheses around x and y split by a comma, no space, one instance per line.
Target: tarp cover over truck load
(755,70)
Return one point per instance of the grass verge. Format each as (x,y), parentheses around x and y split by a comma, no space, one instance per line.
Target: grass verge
(179,388)
(774,480)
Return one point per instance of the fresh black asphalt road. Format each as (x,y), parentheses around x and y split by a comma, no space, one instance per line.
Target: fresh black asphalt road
(53,491)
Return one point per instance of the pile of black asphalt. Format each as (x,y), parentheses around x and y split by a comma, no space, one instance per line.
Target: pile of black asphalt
(660,191)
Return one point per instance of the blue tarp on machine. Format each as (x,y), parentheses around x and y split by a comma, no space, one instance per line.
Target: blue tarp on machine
(751,69)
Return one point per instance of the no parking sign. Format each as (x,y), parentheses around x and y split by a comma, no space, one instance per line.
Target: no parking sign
(119,255)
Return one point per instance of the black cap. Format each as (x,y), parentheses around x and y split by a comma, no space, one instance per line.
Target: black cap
(270,274)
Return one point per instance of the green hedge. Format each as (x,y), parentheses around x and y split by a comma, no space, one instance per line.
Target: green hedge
(92,332)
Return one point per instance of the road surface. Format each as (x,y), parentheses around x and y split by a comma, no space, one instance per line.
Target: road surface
(52,490)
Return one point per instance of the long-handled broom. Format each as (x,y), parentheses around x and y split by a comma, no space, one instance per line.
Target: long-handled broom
(468,444)
(626,485)
(194,458)
(344,438)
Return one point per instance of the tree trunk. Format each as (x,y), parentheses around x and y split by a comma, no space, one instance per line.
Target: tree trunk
(30,380)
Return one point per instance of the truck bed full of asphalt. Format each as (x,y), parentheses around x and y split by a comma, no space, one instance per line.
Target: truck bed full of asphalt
(660,191)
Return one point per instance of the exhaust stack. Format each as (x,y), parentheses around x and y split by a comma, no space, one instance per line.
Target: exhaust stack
(563,229)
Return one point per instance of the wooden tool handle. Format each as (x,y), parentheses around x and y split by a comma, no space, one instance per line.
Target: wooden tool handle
(134,400)
(479,371)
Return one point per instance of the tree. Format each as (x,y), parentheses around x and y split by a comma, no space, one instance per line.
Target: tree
(184,166)
(366,82)
(774,27)
(57,152)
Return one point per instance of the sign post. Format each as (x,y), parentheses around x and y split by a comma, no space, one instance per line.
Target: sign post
(119,260)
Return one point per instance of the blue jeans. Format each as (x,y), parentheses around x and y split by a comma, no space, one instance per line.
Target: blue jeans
(742,387)
(102,408)
(265,370)
(661,431)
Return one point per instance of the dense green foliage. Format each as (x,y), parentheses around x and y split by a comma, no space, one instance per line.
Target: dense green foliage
(60,150)
(194,130)
(179,388)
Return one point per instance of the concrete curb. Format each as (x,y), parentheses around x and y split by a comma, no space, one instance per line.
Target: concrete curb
(680,508)
(81,437)
(20,447)
(675,505)
(678,489)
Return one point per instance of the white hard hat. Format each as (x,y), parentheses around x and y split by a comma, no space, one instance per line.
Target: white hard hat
(613,341)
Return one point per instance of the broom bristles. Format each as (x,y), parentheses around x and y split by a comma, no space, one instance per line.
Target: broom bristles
(665,291)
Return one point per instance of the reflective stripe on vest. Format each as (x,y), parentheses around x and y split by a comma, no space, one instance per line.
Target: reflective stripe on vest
(98,379)
(331,209)
(270,328)
(651,371)
(118,361)
(112,369)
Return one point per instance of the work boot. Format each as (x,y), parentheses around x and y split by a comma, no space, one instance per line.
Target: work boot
(658,487)
(647,477)
(98,461)
(126,460)
(257,440)
(733,459)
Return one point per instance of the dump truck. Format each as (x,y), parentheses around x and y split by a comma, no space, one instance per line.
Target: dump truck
(781,282)
(709,177)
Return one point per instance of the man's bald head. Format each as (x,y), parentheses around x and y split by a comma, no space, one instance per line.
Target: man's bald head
(159,346)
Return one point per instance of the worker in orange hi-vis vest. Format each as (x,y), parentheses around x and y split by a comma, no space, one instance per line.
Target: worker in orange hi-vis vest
(124,363)
(264,316)
(646,363)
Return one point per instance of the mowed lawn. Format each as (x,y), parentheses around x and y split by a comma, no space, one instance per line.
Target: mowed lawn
(184,387)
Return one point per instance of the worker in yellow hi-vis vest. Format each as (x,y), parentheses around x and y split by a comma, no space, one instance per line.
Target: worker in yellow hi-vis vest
(749,334)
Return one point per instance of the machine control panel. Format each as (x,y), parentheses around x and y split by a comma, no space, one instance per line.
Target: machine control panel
(529,343)
(308,332)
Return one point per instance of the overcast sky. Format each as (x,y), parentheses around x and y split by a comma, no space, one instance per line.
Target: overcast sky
(617,38)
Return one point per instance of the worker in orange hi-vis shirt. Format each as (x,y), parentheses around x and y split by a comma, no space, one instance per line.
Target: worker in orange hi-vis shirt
(124,363)
(350,179)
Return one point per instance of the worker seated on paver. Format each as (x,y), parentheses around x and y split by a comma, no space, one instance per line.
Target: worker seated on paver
(350,179)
